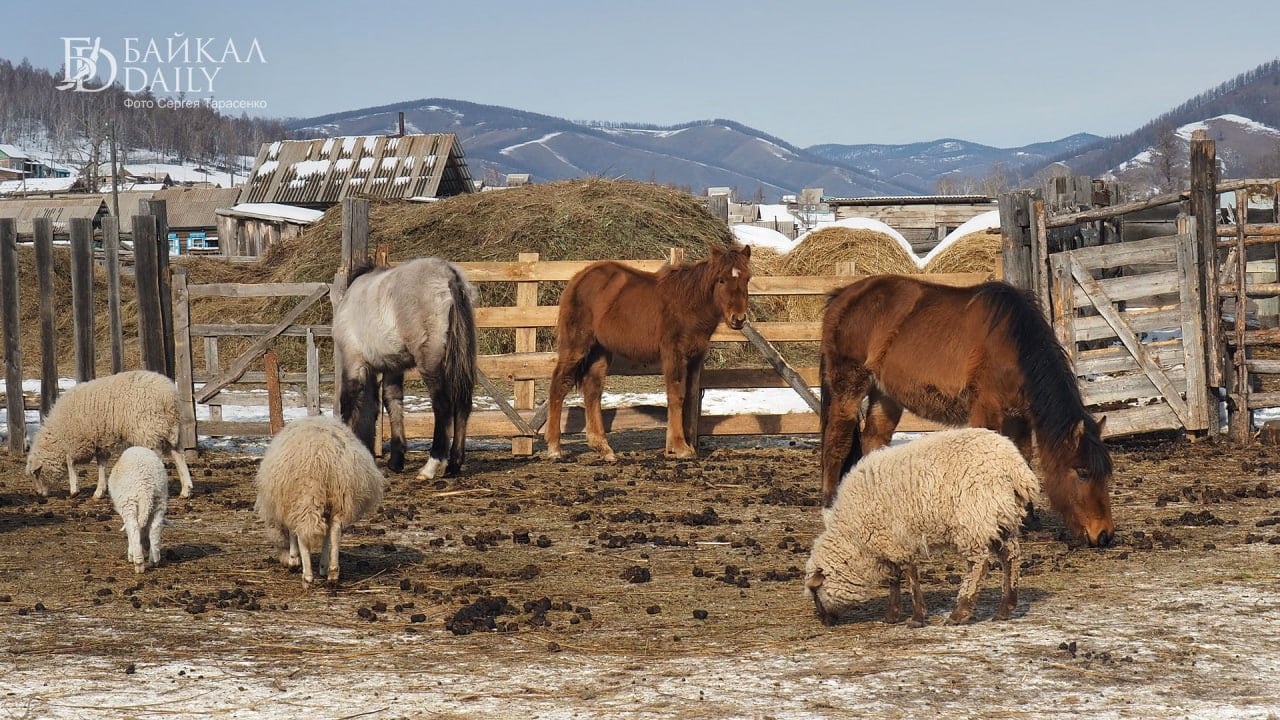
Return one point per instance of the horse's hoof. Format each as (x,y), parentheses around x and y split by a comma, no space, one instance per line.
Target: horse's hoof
(955,619)
(428,471)
(552,455)
(913,623)
(685,454)
(452,470)
(186,493)
(395,463)
(609,457)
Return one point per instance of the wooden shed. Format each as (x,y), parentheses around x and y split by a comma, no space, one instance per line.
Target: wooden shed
(60,211)
(193,215)
(922,219)
(248,229)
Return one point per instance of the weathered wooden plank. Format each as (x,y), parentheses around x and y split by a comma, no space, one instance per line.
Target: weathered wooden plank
(1130,386)
(1103,304)
(183,370)
(1145,320)
(1136,287)
(1201,405)
(1138,420)
(253,290)
(257,377)
(1152,251)
(111,255)
(1118,360)
(43,230)
(150,318)
(82,297)
(255,329)
(781,367)
(313,375)
(9,318)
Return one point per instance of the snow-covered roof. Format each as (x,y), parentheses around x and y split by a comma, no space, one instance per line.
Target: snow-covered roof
(36,185)
(14,151)
(274,211)
(762,237)
(774,212)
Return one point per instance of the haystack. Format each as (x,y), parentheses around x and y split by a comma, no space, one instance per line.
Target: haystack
(821,252)
(976,252)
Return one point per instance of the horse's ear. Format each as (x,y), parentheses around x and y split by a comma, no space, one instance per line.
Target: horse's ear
(1102,425)
(746,251)
(717,250)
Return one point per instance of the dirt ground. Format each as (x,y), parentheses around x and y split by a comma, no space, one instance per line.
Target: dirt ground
(646,589)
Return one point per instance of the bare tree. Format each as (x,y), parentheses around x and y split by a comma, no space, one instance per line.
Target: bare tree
(1169,171)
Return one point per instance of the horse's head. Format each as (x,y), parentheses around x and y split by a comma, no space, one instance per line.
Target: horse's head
(1083,488)
(731,268)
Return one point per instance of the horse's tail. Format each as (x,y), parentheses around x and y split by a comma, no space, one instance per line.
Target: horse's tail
(458,367)
(1049,381)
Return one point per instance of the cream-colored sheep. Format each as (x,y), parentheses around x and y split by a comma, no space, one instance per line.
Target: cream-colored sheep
(315,479)
(139,489)
(966,489)
(93,419)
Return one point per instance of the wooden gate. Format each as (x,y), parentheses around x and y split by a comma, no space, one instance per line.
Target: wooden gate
(1136,340)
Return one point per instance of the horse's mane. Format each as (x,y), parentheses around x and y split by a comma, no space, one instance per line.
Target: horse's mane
(363,267)
(1048,379)
(692,280)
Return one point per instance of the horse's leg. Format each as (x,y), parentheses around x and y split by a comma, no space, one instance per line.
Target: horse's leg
(592,389)
(894,612)
(676,369)
(843,389)
(918,610)
(1018,429)
(693,400)
(359,402)
(883,414)
(458,453)
(1010,557)
(393,399)
(442,410)
(967,599)
(563,378)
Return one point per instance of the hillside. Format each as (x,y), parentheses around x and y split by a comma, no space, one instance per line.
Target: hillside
(695,156)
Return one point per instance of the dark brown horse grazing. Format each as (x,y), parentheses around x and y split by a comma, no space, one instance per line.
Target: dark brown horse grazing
(667,316)
(982,356)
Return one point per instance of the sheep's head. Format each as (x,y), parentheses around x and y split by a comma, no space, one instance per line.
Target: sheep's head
(37,459)
(837,579)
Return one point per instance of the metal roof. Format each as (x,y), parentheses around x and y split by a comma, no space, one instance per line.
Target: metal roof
(913,200)
(189,208)
(325,171)
(60,211)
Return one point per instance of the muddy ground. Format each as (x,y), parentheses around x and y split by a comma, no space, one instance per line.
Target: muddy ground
(649,588)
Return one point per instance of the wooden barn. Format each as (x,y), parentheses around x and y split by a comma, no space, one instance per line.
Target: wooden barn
(321,173)
(246,230)
(60,211)
(922,219)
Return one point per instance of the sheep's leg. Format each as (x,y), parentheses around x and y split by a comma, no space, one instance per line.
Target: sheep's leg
(184,472)
(918,610)
(304,554)
(1010,554)
(157,524)
(894,612)
(290,557)
(331,542)
(134,535)
(72,477)
(102,478)
(968,596)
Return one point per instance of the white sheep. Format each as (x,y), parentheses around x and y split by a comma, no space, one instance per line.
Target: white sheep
(966,489)
(315,479)
(139,490)
(91,420)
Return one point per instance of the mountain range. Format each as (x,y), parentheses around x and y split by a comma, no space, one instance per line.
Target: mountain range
(502,141)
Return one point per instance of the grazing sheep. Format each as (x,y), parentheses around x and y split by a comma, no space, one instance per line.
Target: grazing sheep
(315,479)
(140,493)
(91,420)
(966,489)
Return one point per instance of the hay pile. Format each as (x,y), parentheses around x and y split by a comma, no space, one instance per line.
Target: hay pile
(871,252)
(975,252)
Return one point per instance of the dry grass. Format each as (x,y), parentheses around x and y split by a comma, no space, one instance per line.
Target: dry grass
(975,252)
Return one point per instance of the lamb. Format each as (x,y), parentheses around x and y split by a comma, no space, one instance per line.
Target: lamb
(966,489)
(315,479)
(140,493)
(94,418)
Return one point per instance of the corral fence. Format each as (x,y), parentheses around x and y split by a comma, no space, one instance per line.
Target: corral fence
(1162,330)
(519,416)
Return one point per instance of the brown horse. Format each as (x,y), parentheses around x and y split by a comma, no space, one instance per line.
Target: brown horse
(982,356)
(666,317)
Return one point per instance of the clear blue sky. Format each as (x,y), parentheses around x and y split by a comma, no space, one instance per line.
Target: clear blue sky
(999,73)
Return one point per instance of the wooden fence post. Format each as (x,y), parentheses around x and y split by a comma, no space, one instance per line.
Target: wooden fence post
(183,369)
(1015,231)
(526,341)
(82,296)
(150,320)
(12,347)
(159,210)
(355,232)
(275,400)
(313,374)
(111,250)
(1204,206)
(43,229)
